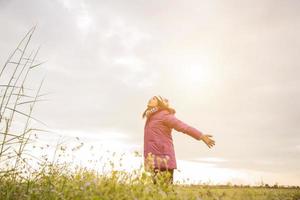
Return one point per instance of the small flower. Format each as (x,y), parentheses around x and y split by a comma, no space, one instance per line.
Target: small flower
(87,184)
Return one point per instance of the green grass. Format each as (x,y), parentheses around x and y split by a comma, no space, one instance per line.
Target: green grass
(58,181)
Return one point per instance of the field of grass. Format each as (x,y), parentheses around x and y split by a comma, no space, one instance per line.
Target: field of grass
(61,180)
(57,181)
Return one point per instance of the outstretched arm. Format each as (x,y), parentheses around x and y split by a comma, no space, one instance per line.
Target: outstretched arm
(171,121)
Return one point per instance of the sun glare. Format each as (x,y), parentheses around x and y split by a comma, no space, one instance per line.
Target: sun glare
(193,73)
(197,74)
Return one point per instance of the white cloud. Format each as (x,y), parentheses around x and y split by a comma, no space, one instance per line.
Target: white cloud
(211,159)
(84,22)
(132,63)
(68,4)
(195,172)
(104,134)
(130,35)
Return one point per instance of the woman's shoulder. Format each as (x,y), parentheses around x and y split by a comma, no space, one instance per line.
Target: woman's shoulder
(160,113)
(165,111)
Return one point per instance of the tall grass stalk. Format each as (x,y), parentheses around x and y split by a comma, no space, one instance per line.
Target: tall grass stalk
(13,99)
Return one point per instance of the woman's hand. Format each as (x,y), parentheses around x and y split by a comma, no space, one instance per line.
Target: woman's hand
(206,139)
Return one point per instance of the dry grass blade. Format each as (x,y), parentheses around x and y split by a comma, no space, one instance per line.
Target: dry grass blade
(27,115)
(27,102)
(11,93)
(22,145)
(20,90)
(15,87)
(17,49)
(14,72)
(36,65)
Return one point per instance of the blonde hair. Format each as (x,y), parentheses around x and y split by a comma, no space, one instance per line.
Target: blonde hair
(163,103)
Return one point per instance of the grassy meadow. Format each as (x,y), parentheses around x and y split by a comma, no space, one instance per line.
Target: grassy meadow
(59,182)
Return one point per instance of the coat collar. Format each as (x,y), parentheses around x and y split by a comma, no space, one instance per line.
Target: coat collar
(151,112)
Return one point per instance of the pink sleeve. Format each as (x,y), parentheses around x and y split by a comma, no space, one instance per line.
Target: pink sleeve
(172,122)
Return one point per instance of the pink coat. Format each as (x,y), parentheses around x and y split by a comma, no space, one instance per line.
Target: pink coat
(158,140)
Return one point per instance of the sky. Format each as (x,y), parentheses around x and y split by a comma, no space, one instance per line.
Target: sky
(229,68)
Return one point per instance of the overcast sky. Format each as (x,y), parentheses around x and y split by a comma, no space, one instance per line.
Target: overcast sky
(229,68)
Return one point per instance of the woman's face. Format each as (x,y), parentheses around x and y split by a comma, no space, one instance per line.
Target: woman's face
(153,102)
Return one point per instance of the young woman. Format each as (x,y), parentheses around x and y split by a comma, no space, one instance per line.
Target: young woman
(159,155)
